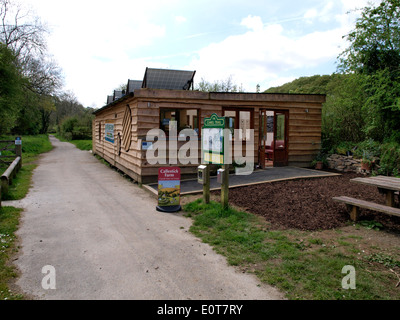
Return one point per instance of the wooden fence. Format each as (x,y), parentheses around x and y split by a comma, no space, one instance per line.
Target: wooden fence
(11,156)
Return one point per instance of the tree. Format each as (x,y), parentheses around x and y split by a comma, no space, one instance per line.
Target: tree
(342,116)
(316,84)
(219,86)
(10,89)
(375,41)
(22,32)
(374,53)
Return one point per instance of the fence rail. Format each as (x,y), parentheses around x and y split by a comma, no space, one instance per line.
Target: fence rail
(7,147)
(13,158)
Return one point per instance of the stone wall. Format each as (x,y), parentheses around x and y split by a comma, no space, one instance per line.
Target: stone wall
(344,163)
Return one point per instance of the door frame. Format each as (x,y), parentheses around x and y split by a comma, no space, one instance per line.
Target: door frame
(262,140)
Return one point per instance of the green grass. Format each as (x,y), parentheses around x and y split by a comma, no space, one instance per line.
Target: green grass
(9,218)
(300,264)
(32,147)
(84,145)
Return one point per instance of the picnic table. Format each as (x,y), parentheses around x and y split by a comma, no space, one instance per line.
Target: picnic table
(386,185)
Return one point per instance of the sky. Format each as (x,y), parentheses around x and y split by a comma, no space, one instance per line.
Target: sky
(101,44)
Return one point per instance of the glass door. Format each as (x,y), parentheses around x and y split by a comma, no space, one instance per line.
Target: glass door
(262,137)
(281,138)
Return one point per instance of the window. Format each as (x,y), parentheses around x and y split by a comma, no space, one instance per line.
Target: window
(180,118)
(240,119)
(99,131)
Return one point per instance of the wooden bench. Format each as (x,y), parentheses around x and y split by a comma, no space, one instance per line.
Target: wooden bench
(354,205)
(388,186)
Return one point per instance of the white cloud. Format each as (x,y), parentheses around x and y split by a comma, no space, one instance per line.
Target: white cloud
(180,19)
(92,41)
(253,23)
(262,54)
(321,15)
(311,14)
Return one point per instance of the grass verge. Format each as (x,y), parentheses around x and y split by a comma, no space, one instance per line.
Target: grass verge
(9,218)
(303,265)
(32,147)
(84,145)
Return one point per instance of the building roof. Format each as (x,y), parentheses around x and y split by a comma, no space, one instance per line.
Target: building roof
(201,97)
(168,79)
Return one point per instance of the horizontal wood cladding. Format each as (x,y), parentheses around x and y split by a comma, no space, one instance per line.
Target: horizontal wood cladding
(270,97)
(306,159)
(304,127)
(305,122)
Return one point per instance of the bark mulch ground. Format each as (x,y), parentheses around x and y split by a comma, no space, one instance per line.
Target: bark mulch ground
(307,204)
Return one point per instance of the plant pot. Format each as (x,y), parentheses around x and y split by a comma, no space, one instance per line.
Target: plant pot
(365,166)
(319,165)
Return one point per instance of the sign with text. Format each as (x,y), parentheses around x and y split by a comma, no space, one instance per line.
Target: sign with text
(169,189)
(213,139)
(109,132)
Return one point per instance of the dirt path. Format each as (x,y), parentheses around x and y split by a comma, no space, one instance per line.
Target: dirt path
(105,240)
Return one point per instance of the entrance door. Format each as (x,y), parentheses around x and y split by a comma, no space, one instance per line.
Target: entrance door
(262,137)
(273,138)
(281,138)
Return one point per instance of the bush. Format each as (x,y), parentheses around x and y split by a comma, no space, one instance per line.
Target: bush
(76,129)
(370,147)
(390,159)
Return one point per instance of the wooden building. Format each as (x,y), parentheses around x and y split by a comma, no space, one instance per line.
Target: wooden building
(287,127)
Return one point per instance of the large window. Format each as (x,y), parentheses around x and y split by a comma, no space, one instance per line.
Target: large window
(180,118)
(241,119)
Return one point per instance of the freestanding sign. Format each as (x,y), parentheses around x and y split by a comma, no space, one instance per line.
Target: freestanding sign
(18,141)
(169,189)
(213,149)
(213,139)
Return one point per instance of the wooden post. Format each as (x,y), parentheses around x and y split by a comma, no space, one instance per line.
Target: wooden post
(225,187)
(4,184)
(354,212)
(225,166)
(206,184)
(390,198)
(18,150)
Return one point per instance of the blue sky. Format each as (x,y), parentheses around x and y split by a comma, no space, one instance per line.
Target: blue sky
(101,44)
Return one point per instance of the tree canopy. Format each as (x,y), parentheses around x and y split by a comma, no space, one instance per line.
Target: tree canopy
(30,79)
(375,41)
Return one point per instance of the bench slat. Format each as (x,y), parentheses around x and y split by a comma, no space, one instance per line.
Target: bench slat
(369,205)
(377,183)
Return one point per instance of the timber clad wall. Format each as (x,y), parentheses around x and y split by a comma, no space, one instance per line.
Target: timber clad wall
(304,132)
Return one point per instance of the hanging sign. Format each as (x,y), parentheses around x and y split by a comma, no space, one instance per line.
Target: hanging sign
(169,189)
(213,139)
(109,132)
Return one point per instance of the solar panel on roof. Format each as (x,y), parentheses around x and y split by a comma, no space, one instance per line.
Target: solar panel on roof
(133,85)
(168,79)
(118,94)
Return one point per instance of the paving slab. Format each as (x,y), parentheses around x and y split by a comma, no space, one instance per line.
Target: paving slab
(257,177)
